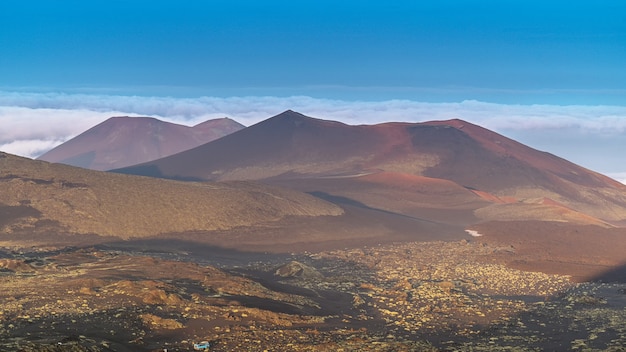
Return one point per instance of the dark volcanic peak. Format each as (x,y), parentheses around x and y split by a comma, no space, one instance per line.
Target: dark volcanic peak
(286,143)
(292,119)
(292,146)
(123,141)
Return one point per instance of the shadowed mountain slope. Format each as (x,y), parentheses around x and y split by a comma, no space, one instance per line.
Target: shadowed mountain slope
(123,141)
(37,197)
(305,153)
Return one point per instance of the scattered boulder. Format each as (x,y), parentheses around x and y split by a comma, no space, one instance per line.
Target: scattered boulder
(296,269)
(15,266)
(157,322)
(446,286)
(158,296)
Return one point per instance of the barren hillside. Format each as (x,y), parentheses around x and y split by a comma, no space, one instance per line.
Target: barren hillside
(39,197)
(438,165)
(124,141)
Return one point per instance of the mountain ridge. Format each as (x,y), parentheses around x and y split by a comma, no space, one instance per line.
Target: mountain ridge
(291,146)
(122,141)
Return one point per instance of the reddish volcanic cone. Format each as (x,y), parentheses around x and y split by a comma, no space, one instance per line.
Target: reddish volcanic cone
(291,147)
(123,141)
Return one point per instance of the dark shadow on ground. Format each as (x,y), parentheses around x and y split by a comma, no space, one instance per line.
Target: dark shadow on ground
(152,171)
(198,252)
(343,201)
(615,275)
(590,316)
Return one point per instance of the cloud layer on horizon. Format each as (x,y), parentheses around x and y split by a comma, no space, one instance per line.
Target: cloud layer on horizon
(36,122)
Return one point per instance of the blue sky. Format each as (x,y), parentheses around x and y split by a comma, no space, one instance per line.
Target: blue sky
(559,52)
(549,73)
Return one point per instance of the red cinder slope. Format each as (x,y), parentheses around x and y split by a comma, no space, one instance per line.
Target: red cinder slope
(465,139)
(291,147)
(123,141)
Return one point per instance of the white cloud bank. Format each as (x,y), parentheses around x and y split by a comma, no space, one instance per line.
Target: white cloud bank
(32,123)
(30,132)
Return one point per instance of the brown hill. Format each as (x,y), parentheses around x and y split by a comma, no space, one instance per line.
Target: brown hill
(123,141)
(585,252)
(41,199)
(480,169)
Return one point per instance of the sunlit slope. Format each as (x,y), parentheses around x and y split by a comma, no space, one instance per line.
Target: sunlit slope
(481,166)
(37,195)
(124,141)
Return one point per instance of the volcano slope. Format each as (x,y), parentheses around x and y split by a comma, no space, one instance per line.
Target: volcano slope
(124,141)
(47,202)
(446,173)
(149,281)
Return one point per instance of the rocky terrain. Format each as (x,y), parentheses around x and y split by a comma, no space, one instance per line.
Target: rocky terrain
(299,234)
(428,296)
